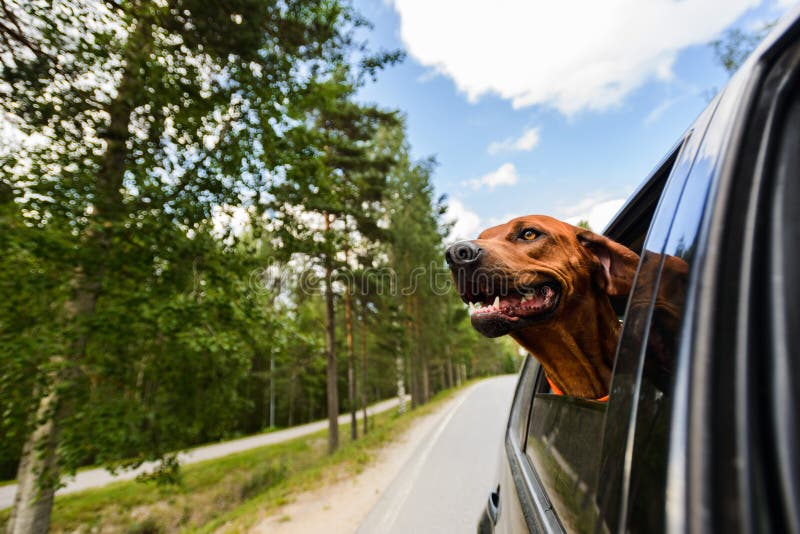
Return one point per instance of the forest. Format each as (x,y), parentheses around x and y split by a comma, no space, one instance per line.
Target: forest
(205,233)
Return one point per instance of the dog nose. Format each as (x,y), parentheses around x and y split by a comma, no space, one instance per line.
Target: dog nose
(462,253)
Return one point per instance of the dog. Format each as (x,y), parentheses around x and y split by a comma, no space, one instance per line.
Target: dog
(549,285)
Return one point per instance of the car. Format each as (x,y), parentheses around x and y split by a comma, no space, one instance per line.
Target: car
(701,431)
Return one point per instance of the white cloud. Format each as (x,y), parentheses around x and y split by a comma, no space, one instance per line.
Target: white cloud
(467,223)
(526,142)
(658,111)
(597,212)
(571,55)
(506,174)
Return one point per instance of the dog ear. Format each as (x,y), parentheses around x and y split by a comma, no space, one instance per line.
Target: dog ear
(617,261)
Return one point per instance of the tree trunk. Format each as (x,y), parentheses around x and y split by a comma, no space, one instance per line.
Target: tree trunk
(413,364)
(401,388)
(333,387)
(364,367)
(450,381)
(426,382)
(38,474)
(291,399)
(423,372)
(351,362)
(271,388)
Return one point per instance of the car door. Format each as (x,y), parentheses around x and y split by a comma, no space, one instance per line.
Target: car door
(733,455)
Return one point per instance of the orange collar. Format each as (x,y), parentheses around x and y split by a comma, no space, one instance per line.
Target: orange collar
(557,391)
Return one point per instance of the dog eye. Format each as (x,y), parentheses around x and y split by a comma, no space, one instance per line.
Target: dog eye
(528,234)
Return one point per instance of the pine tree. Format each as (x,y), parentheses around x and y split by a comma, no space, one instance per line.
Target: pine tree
(140,120)
(332,189)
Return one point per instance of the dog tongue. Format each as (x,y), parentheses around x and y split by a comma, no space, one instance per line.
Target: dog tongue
(531,301)
(510,300)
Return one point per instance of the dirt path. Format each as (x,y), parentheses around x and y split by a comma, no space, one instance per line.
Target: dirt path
(341,506)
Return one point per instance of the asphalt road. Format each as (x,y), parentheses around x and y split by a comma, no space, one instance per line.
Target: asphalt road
(445,484)
(93,478)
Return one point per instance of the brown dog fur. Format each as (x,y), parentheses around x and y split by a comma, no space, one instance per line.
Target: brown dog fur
(575,341)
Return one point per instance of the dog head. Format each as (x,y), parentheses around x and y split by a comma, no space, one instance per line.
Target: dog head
(536,269)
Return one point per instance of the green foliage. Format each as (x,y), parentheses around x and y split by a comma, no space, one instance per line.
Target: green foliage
(137,130)
(168,472)
(263,479)
(145,526)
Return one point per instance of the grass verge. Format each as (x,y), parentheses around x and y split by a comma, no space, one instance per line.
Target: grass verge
(233,491)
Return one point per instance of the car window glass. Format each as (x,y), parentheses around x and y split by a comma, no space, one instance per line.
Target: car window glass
(562,445)
(667,274)
(518,420)
(636,332)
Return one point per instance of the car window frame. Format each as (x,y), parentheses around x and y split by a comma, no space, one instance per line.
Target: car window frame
(718,458)
(783,259)
(536,506)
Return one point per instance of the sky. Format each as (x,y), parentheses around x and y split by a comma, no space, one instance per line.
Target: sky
(558,108)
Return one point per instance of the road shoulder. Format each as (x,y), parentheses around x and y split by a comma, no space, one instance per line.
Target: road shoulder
(342,504)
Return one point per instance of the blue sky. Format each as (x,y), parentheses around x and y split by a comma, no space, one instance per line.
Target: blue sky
(542,107)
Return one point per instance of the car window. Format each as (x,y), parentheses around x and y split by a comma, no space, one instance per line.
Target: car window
(667,273)
(565,433)
(562,446)
(646,337)
(518,419)
(636,442)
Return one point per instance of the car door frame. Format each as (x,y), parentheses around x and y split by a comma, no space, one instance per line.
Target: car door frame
(722,468)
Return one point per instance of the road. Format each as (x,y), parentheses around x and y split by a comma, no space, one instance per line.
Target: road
(93,478)
(444,485)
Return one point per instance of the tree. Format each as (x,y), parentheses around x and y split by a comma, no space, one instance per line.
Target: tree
(133,317)
(415,253)
(331,189)
(142,120)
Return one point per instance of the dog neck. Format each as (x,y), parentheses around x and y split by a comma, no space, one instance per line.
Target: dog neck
(578,353)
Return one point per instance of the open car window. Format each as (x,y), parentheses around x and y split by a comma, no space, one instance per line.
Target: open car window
(565,433)
(635,441)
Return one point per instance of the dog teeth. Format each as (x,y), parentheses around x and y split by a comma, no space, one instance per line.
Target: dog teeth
(527,296)
(496,302)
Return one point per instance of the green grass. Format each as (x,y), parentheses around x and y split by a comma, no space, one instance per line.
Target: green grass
(231,492)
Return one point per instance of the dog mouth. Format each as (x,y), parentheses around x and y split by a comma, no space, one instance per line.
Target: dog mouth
(497,313)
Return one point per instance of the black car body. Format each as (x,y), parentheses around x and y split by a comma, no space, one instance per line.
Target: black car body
(701,432)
